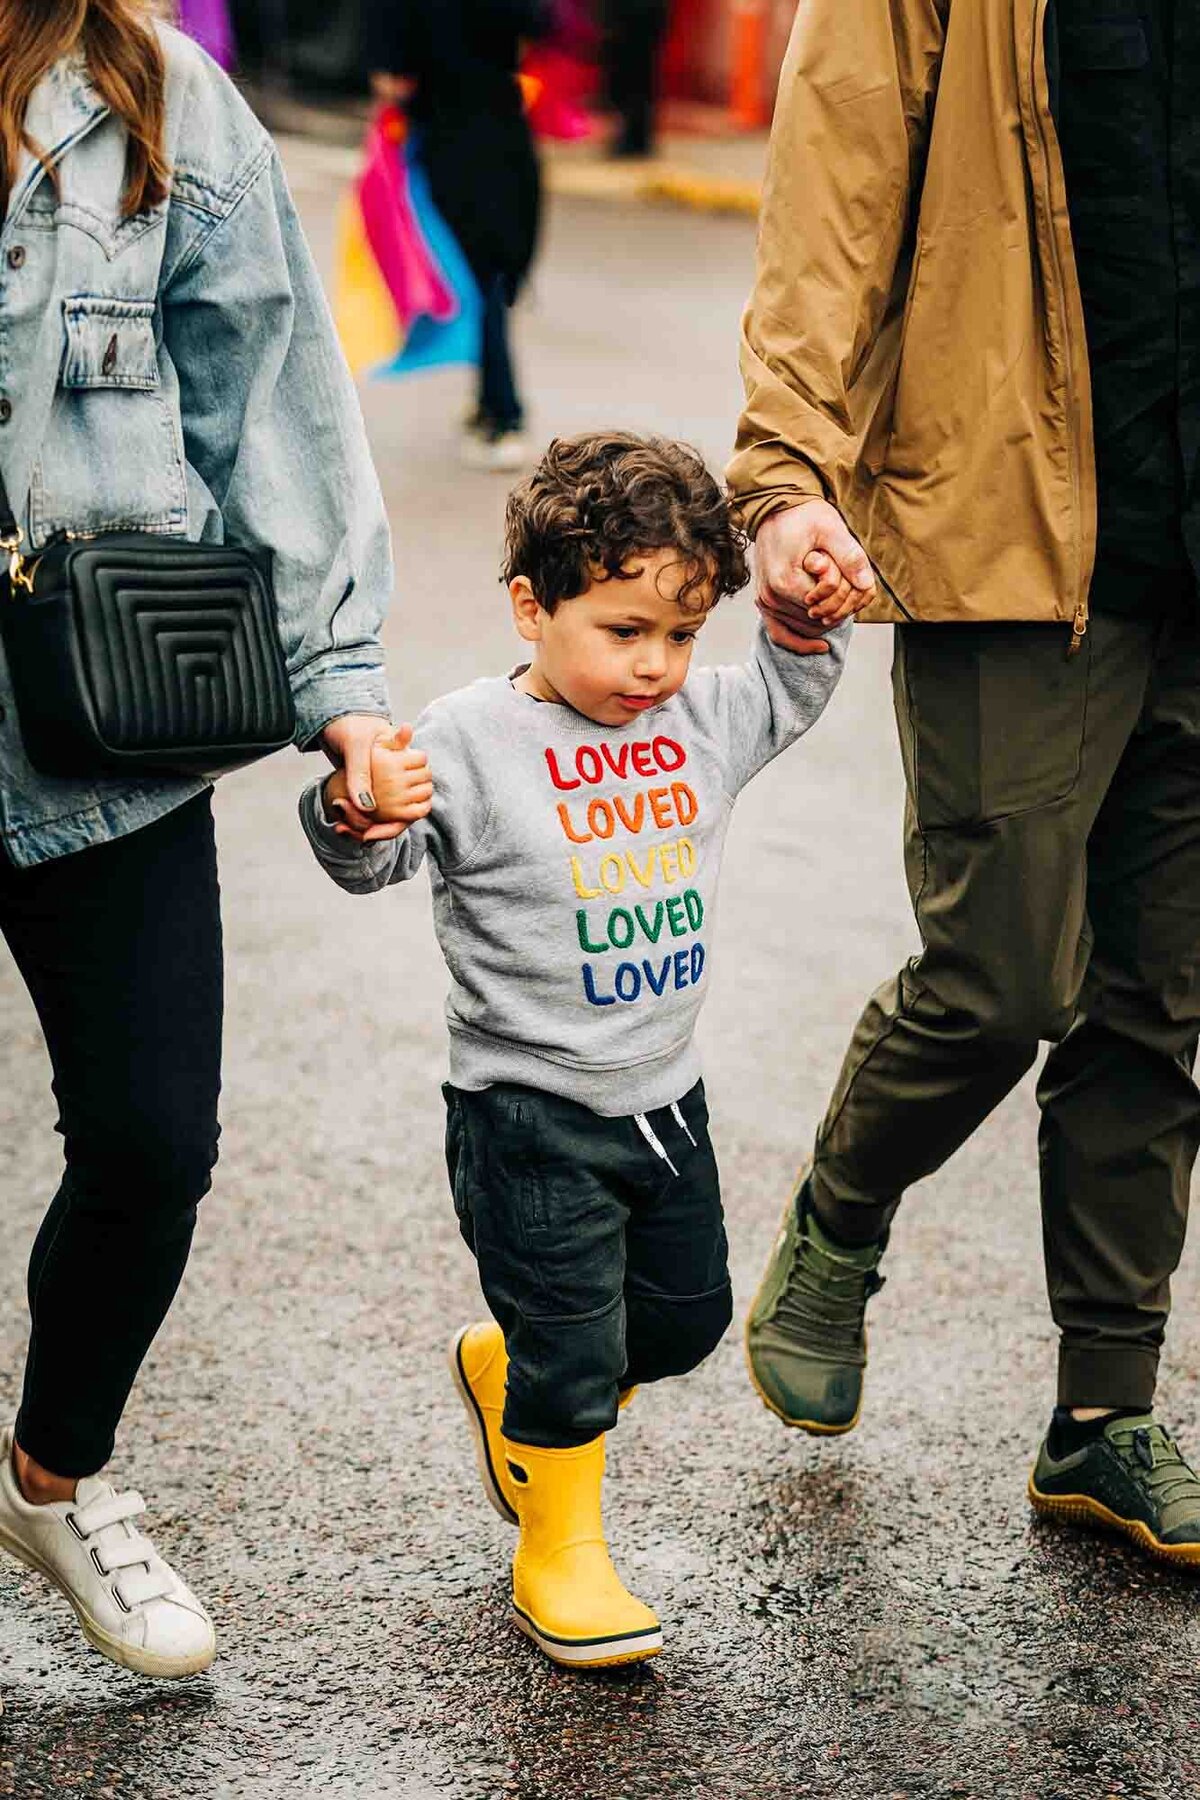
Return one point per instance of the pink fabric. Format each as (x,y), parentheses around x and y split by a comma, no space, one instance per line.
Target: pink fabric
(397,243)
(561,87)
(208,22)
(562,72)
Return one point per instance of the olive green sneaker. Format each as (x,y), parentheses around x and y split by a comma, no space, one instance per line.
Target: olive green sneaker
(1133,1479)
(806,1343)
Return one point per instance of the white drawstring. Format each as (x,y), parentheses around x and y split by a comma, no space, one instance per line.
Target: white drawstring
(647,1130)
(683,1125)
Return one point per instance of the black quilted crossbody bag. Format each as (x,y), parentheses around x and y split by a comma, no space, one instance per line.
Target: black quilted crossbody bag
(129,652)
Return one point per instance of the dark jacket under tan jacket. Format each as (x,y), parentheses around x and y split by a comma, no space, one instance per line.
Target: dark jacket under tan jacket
(914,348)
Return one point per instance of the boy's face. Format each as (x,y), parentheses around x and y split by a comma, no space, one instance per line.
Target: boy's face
(617,650)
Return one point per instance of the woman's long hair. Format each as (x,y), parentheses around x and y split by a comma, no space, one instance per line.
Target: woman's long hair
(125,61)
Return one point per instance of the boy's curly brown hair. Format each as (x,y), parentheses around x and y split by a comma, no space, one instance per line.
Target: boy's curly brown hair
(599,500)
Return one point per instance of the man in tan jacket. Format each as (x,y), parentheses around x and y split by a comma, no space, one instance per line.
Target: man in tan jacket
(972,367)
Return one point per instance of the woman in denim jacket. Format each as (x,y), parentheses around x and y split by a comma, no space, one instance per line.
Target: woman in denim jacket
(166,364)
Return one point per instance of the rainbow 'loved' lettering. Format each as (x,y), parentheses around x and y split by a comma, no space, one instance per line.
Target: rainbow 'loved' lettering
(574,871)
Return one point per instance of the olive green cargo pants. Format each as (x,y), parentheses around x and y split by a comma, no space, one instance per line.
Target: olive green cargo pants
(1053,857)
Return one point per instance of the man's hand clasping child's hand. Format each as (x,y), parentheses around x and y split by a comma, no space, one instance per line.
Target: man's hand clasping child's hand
(401,784)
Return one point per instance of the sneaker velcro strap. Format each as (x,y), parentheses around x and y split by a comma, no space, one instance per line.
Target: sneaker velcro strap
(139,1586)
(115,1509)
(129,1553)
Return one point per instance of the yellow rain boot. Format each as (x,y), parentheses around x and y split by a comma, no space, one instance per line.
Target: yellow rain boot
(479,1370)
(566,1594)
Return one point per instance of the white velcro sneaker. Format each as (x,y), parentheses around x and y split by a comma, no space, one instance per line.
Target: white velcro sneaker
(133,1608)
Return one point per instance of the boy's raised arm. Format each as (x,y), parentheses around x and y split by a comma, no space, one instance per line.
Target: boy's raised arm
(757,708)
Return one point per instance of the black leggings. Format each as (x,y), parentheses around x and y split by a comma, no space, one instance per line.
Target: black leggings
(120,948)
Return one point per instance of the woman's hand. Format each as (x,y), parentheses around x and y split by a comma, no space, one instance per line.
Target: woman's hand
(347,743)
(400,791)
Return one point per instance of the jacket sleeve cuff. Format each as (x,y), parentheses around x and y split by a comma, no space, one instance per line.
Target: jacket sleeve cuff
(752,512)
(765,477)
(335,684)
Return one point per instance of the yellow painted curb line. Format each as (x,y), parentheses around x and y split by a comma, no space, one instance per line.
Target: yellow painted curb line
(704,193)
(641,182)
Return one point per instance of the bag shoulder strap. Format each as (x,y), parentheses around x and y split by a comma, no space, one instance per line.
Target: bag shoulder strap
(10,531)
(10,545)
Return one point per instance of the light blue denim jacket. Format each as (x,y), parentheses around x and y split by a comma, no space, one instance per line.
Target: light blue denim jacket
(178,373)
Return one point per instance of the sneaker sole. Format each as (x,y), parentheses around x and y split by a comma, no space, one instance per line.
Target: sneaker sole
(483,1455)
(141,1662)
(592,1653)
(1080,1509)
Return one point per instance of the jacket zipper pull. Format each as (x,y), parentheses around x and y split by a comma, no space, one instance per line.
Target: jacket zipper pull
(1079,625)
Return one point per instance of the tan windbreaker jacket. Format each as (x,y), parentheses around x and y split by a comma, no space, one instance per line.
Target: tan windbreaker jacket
(914,348)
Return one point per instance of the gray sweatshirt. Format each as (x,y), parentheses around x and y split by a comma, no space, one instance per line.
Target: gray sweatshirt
(574,870)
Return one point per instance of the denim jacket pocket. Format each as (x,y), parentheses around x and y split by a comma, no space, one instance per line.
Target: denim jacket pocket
(112,454)
(110,344)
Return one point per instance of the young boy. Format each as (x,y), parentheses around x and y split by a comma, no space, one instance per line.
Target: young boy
(573,814)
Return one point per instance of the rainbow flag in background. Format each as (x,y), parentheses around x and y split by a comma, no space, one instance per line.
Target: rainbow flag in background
(405,298)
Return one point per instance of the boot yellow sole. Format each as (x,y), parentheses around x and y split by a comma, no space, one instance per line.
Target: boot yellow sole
(483,1455)
(1081,1509)
(589,1653)
(814,1427)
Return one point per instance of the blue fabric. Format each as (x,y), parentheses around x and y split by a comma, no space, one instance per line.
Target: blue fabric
(432,343)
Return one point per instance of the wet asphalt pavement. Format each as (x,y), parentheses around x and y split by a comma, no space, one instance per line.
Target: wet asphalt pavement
(871,1617)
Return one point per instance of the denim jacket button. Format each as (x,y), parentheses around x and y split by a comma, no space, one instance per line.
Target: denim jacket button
(16,257)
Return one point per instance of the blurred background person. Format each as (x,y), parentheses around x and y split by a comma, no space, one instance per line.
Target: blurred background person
(633,38)
(562,69)
(452,65)
(308,46)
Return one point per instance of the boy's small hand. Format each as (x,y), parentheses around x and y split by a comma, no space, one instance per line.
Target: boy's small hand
(402,785)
